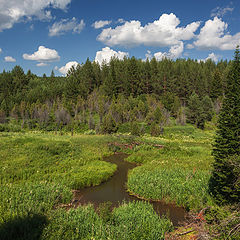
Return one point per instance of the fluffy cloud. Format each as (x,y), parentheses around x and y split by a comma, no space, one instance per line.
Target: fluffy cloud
(174,52)
(211,56)
(9,59)
(107,53)
(66,25)
(13,11)
(0,50)
(41,64)
(64,69)
(212,36)
(101,24)
(43,55)
(162,32)
(221,11)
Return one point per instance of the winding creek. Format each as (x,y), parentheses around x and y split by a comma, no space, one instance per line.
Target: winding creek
(114,190)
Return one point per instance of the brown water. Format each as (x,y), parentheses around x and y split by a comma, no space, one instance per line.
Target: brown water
(114,190)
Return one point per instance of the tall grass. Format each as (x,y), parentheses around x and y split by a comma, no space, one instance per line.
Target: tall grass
(37,173)
(136,220)
(61,159)
(18,200)
(178,172)
(184,187)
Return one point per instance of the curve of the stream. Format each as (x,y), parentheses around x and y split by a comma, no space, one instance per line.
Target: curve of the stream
(114,190)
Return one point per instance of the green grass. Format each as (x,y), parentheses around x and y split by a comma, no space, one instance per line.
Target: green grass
(47,157)
(38,172)
(135,220)
(179,172)
(184,187)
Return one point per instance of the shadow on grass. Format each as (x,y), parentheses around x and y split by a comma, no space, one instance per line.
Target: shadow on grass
(27,228)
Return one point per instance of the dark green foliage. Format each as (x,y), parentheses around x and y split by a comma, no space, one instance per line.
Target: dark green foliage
(130,89)
(176,106)
(195,111)
(104,211)
(156,130)
(224,183)
(23,228)
(216,85)
(224,221)
(199,110)
(135,129)
(181,116)
(207,108)
(109,125)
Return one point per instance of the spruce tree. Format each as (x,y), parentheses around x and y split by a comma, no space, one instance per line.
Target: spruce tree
(195,111)
(224,182)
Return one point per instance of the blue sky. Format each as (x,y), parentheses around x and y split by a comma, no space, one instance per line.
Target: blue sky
(46,35)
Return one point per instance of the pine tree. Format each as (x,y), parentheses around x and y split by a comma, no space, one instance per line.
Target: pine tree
(216,85)
(109,125)
(207,108)
(135,130)
(224,183)
(195,111)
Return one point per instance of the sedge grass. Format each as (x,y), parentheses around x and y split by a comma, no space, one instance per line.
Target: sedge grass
(37,173)
(131,221)
(179,172)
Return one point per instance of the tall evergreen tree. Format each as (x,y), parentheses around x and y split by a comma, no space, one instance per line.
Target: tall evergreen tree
(224,182)
(195,111)
(216,85)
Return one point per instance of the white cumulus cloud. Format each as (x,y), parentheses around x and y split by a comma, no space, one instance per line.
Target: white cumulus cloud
(174,52)
(13,11)
(9,59)
(0,50)
(101,24)
(162,32)
(66,25)
(107,53)
(213,35)
(43,55)
(41,64)
(64,69)
(211,56)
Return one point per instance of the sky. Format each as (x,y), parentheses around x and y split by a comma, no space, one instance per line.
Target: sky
(46,35)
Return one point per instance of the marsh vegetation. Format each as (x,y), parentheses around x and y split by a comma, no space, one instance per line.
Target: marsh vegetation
(162,114)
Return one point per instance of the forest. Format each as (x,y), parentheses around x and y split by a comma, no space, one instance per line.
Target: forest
(176,120)
(128,90)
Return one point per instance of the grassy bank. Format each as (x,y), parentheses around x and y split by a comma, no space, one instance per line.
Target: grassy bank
(179,172)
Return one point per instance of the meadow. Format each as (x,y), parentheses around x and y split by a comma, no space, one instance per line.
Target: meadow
(39,171)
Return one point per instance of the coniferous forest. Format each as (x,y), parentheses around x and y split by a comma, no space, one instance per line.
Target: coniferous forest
(129,90)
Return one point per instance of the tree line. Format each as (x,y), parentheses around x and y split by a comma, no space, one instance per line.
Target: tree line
(121,91)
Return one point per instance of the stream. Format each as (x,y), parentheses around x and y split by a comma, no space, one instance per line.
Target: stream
(114,190)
